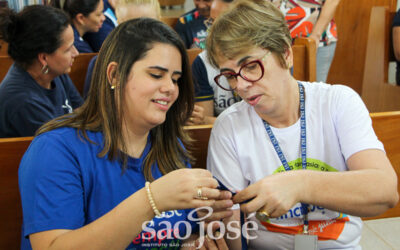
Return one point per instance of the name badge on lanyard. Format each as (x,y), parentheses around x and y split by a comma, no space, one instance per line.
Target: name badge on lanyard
(303,241)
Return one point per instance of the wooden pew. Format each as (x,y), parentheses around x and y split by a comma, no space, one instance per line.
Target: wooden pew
(200,134)
(77,74)
(170,3)
(304,59)
(5,64)
(3,48)
(170,20)
(377,93)
(79,69)
(192,54)
(386,126)
(11,151)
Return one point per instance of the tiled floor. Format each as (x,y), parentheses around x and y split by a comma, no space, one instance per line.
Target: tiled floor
(383,234)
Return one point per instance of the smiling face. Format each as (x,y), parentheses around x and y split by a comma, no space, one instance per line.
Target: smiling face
(60,61)
(268,94)
(152,87)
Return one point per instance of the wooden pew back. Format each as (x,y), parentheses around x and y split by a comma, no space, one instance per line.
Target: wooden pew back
(11,151)
(376,92)
(79,69)
(386,126)
(5,64)
(170,21)
(304,59)
(77,74)
(3,48)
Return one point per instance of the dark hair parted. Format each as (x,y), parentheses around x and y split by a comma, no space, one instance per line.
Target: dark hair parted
(36,29)
(104,107)
(74,7)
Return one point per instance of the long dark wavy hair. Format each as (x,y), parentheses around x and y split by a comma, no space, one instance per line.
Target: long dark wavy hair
(103,109)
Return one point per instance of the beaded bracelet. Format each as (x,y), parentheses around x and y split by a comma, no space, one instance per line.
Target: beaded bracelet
(152,204)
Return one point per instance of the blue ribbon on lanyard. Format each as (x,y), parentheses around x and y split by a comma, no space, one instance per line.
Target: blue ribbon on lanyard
(303,140)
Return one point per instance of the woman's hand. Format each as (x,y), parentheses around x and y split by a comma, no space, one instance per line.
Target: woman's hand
(274,194)
(197,117)
(185,188)
(220,210)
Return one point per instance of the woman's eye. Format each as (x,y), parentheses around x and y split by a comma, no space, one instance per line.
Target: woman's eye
(155,76)
(175,81)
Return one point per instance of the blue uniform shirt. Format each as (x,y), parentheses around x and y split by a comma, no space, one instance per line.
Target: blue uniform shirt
(25,105)
(64,184)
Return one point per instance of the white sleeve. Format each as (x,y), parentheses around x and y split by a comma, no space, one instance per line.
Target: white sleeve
(353,123)
(222,157)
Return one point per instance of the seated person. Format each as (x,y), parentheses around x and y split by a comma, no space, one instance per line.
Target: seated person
(96,39)
(86,15)
(126,10)
(191,26)
(209,96)
(36,88)
(108,180)
(396,43)
(304,155)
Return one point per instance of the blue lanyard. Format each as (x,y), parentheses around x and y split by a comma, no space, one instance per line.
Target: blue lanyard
(303,144)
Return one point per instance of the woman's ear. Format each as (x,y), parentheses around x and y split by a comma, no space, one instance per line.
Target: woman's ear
(80,18)
(289,57)
(112,75)
(42,58)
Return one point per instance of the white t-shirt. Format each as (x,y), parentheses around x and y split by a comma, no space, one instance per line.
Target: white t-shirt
(338,125)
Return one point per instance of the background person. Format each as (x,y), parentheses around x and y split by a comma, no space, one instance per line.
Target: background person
(314,19)
(191,26)
(89,191)
(96,39)
(36,88)
(86,15)
(209,96)
(126,10)
(302,153)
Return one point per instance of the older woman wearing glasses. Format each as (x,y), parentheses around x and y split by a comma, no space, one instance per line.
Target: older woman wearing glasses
(304,155)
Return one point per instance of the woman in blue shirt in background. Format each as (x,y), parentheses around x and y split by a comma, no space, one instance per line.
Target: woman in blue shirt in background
(36,88)
(86,16)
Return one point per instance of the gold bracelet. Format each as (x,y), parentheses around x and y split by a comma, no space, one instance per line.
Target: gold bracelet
(151,200)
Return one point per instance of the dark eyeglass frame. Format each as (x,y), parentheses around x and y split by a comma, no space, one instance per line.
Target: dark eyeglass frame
(234,74)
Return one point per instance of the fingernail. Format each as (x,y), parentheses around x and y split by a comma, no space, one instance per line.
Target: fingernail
(217,234)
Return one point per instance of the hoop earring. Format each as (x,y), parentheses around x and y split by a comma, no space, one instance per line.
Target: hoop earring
(45,69)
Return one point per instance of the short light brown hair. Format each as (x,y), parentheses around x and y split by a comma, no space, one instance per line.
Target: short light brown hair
(246,25)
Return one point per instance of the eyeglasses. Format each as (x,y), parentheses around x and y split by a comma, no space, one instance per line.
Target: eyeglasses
(251,72)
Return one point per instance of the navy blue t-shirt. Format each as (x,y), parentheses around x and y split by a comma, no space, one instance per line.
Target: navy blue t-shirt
(192,29)
(88,78)
(81,45)
(64,184)
(25,105)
